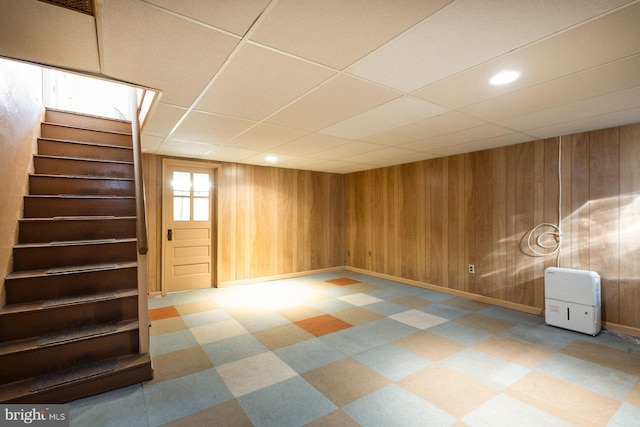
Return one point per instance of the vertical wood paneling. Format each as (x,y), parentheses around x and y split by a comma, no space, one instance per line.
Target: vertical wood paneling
(604,219)
(422,247)
(493,199)
(455,230)
(580,202)
(538,218)
(629,225)
(436,220)
(409,221)
(271,221)
(498,278)
(376,214)
(524,212)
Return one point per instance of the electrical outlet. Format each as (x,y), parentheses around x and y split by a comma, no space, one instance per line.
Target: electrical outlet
(472,269)
(348,252)
(369,253)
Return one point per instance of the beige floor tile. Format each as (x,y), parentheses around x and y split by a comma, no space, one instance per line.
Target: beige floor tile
(605,356)
(334,419)
(466,304)
(362,287)
(451,391)
(179,363)
(213,332)
(564,400)
(229,413)
(300,312)
(357,315)
(196,307)
(345,381)
(486,323)
(514,351)
(411,301)
(633,398)
(165,326)
(240,312)
(429,346)
(254,373)
(282,336)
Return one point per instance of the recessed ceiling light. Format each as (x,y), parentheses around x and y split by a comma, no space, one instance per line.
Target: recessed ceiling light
(271,159)
(504,77)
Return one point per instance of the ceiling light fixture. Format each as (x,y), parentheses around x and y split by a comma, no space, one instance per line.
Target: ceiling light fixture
(271,159)
(504,77)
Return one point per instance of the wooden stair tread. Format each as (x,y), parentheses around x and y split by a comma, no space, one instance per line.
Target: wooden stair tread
(20,391)
(87,177)
(79,218)
(70,270)
(73,335)
(74,243)
(83,159)
(67,126)
(76,196)
(93,116)
(93,144)
(25,307)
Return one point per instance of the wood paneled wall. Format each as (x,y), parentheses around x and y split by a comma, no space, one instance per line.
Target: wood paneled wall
(270,221)
(428,221)
(21,113)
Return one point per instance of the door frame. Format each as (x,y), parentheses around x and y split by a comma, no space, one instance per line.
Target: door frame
(214,206)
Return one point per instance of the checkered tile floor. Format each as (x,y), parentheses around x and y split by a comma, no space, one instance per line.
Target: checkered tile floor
(344,349)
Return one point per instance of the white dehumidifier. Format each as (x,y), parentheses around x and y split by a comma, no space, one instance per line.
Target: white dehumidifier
(572,299)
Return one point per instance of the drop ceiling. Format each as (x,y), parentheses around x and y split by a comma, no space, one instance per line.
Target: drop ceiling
(347,85)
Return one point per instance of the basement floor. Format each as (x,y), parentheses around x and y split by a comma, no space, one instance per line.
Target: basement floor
(345,349)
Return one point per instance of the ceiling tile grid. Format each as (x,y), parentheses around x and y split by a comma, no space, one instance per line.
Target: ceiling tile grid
(342,87)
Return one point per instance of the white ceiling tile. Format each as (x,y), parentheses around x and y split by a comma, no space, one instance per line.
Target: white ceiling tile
(46,34)
(209,128)
(264,137)
(383,154)
(612,77)
(229,15)
(310,144)
(260,81)
(300,163)
(393,114)
(348,150)
(603,121)
(485,144)
(154,49)
(228,154)
(163,119)
(261,159)
(599,105)
(597,42)
(416,156)
(182,148)
(149,143)
(433,126)
(475,33)
(347,168)
(335,100)
(333,165)
(312,29)
(455,138)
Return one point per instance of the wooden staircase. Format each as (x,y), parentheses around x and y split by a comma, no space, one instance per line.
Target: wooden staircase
(70,326)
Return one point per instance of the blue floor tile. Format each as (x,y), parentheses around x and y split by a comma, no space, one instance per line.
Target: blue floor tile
(293,403)
(173,399)
(395,406)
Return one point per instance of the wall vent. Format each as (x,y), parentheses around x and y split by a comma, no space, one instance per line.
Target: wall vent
(84,6)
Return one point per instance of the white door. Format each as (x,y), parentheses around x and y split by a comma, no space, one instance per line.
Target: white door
(187,225)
